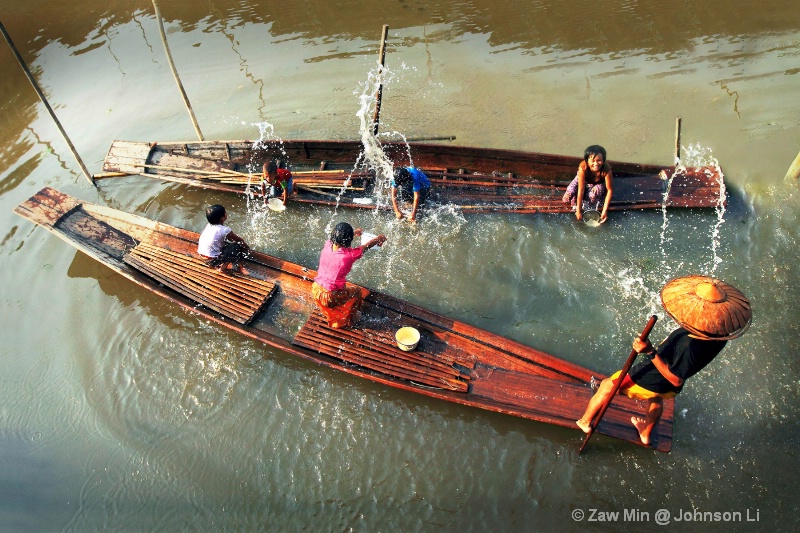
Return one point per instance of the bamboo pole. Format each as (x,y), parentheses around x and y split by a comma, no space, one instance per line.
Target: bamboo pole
(221,172)
(379,94)
(39,92)
(103,175)
(794,170)
(443,138)
(618,383)
(175,73)
(677,139)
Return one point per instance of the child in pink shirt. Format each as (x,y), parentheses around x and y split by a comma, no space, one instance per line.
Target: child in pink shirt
(337,302)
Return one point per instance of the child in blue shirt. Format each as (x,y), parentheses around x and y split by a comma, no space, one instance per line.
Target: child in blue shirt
(414,185)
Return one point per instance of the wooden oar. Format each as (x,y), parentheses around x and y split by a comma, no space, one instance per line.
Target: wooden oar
(618,382)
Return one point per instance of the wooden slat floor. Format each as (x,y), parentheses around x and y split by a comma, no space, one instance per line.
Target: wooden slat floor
(376,350)
(236,296)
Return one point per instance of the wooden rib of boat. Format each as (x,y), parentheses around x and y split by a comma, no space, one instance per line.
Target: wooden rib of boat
(473,179)
(270,302)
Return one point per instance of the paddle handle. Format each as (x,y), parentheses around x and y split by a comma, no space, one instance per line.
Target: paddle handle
(618,383)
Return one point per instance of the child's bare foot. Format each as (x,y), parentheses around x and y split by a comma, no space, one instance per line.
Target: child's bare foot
(641,425)
(585,427)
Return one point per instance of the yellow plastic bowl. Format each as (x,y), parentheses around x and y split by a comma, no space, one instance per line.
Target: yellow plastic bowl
(407,338)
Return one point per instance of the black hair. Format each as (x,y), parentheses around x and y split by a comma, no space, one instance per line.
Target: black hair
(214,213)
(594,149)
(342,235)
(271,167)
(402,176)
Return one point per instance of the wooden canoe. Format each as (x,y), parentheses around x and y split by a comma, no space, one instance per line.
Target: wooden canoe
(473,179)
(270,302)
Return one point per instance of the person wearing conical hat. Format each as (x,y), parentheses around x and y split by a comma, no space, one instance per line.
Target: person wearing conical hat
(710,312)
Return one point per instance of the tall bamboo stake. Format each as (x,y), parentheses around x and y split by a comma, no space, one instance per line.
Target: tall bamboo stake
(677,139)
(46,104)
(379,94)
(175,73)
(794,170)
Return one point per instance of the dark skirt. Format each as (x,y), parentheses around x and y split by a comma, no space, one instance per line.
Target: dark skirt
(232,252)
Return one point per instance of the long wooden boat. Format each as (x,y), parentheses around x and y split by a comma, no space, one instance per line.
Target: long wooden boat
(473,179)
(270,302)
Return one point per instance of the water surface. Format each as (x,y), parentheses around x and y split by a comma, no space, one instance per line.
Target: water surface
(124,413)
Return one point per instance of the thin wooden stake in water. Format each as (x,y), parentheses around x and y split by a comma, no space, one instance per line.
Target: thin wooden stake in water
(618,382)
(677,139)
(175,73)
(794,170)
(379,94)
(46,104)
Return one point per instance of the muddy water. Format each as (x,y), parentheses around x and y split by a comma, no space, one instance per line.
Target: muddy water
(123,413)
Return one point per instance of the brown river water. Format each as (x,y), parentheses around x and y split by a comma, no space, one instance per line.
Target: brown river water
(122,412)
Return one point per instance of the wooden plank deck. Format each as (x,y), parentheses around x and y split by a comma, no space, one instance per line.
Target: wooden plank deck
(376,350)
(236,296)
(562,403)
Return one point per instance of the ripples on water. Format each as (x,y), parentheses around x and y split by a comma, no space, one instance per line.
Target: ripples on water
(128,413)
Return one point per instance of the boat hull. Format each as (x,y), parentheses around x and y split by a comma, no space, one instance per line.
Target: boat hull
(476,180)
(454,361)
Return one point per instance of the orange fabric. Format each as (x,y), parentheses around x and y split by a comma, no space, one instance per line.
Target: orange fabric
(339,307)
(630,389)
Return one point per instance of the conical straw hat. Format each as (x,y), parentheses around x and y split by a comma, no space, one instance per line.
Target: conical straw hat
(708,308)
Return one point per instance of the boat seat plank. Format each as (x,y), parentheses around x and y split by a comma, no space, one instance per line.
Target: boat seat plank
(189,164)
(124,156)
(374,348)
(236,296)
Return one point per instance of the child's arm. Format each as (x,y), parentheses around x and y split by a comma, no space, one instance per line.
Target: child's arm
(413,217)
(579,197)
(397,211)
(233,237)
(285,192)
(377,241)
(264,185)
(609,193)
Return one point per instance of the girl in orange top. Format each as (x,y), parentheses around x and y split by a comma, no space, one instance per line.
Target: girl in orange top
(593,182)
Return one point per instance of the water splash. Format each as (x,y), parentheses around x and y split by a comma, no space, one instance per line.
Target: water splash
(701,157)
(639,282)
(636,288)
(266,139)
(694,156)
(373,156)
(664,238)
(437,223)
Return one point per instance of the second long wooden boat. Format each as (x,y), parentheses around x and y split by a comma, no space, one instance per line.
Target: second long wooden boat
(472,179)
(270,302)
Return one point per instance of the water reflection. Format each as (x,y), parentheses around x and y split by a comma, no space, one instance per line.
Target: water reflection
(126,412)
